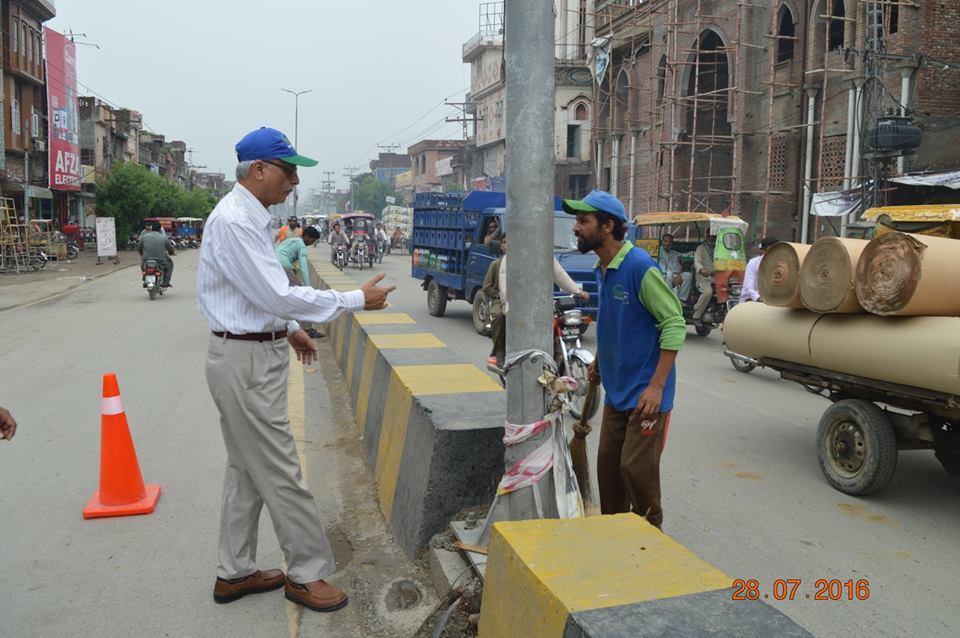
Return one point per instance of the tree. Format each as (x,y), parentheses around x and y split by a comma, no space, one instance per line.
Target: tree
(369,194)
(131,192)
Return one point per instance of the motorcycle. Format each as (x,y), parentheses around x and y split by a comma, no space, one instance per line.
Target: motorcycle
(340,258)
(381,248)
(153,278)
(361,254)
(571,357)
(716,311)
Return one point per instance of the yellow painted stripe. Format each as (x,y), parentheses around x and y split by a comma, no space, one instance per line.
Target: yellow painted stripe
(383,318)
(393,436)
(448,378)
(352,352)
(296,412)
(540,571)
(366,383)
(410,340)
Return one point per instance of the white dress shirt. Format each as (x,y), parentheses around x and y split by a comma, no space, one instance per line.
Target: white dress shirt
(750,291)
(560,277)
(241,286)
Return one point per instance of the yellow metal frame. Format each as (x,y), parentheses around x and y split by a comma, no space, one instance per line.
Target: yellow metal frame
(925,213)
(677,217)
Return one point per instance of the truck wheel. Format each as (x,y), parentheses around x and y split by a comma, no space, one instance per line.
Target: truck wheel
(856,447)
(481,314)
(436,298)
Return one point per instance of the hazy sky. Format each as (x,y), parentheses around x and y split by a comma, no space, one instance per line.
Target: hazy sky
(208,71)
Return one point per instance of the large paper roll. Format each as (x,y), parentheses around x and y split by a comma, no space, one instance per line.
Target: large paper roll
(923,352)
(828,274)
(778,279)
(901,274)
(758,330)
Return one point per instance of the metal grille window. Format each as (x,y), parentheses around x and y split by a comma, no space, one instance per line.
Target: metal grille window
(778,163)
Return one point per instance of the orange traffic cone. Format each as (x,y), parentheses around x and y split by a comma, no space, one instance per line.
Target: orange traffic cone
(122,491)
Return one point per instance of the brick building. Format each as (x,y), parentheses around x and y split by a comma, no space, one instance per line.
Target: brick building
(388,165)
(754,106)
(425,156)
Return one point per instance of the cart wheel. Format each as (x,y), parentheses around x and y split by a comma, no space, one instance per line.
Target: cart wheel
(436,298)
(480,314)
(703,330)
(856,447)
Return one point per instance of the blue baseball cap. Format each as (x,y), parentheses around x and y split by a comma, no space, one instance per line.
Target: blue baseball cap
(269,143)
(596,202)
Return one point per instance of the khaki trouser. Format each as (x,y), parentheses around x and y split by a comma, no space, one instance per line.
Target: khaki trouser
(628,464)
(705,286)
(248,383)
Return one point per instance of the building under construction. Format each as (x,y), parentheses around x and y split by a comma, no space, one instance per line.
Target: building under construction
(755,106)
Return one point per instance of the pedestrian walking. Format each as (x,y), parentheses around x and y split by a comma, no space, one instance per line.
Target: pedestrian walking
(640,329)
(252,310)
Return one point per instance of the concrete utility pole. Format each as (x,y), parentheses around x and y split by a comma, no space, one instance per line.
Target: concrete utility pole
(296,124)
(529,49)
(350,174)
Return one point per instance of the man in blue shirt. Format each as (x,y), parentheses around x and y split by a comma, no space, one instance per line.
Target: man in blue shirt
(640,329)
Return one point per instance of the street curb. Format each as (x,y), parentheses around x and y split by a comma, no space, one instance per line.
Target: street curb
(611,577)
(431,422)
(65,291)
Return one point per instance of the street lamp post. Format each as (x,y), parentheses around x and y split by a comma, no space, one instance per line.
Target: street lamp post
(296,142)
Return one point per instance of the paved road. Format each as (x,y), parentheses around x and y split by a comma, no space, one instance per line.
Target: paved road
(742,488)
(153,575)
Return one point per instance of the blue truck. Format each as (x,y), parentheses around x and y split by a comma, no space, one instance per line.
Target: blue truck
(448,254)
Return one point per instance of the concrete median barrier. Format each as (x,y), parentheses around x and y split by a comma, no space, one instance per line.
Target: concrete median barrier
(611,577)
(432,423)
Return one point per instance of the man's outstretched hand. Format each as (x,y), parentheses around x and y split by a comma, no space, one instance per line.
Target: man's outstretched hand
(375,296)
(304,346)
(8,425)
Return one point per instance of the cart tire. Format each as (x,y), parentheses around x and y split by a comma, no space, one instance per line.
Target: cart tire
(742,366)
(480,310)
(856,447)
(436,298)
(703,331)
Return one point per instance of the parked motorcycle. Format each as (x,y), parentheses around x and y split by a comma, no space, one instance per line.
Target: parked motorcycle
(571,357)
(153,278)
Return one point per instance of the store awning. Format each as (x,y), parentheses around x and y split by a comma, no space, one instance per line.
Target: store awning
(950,179)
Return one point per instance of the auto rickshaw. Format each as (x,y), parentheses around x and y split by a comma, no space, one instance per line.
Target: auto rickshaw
(938,220)
(359,227)
(689,230)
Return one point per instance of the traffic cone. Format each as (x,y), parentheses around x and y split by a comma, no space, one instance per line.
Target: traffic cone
(122,492)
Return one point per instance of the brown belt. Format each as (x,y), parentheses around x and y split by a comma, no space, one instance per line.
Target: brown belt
(253,336)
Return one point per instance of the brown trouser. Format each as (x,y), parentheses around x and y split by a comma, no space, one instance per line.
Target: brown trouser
(628,464)
(498,332)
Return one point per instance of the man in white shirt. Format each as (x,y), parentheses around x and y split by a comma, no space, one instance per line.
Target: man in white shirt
(750,292)
(252,310)
(669,262)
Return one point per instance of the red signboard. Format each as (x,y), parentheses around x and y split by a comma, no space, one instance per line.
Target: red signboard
(64,113)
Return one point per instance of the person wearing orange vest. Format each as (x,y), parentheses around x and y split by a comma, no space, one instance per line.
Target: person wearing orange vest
(292,225)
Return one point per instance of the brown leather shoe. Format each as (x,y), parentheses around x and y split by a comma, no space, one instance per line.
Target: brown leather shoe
(225,591)
(318,595)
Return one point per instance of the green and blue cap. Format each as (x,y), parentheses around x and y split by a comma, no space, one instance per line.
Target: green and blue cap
(269,143)
(596,202)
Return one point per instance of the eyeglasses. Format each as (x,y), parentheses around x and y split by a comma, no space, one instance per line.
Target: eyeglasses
(289,169)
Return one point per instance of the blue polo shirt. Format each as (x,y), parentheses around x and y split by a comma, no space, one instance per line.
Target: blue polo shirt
(638,316)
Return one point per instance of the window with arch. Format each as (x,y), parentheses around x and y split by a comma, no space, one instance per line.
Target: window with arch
(621,99)
(835,28)
(580,112)
(661,77)
(786,32)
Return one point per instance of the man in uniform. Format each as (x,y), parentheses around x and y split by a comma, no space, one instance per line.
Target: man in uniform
(640,329)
